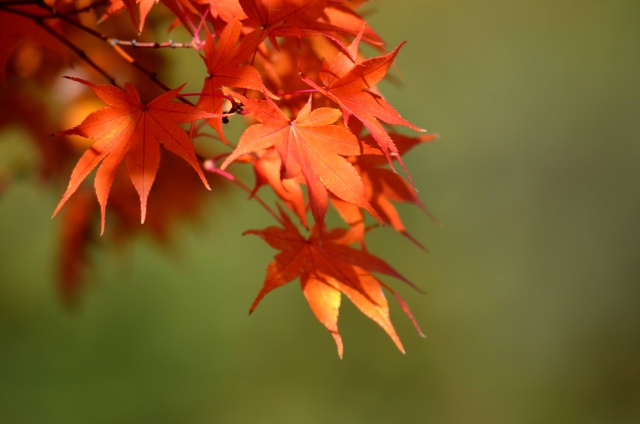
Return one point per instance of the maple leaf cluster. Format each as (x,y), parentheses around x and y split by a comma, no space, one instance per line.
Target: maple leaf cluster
(320,132)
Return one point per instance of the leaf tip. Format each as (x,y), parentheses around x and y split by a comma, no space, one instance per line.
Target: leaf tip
(339,345)
(405,307)
(103,219)
(60,205)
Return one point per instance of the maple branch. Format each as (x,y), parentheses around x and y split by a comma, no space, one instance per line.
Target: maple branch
(38,19)
(194,44)
(210,165)
(153,76)
(76,50)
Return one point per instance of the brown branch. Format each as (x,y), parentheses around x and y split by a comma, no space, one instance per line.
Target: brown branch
(77,51)
(39,19)
(155,45)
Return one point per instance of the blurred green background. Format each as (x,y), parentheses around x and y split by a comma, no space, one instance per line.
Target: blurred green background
(533,306)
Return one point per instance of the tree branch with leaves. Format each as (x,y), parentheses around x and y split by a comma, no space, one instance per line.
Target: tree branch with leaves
(319,132)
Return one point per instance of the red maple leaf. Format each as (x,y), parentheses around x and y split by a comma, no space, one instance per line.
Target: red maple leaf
(349,84)
(223,64)
(308,145)
(224,10)
(266,166)
(327,267)
(294,15)
(295,18)
(144,7)
(340,15)
(184,11)
(383,187)
(135,130)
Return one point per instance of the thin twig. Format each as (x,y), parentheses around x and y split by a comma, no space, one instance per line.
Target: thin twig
(195,44)
(77,51)
(152,75)
(39,21)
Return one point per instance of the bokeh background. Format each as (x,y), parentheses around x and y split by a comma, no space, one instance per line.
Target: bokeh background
(533,306)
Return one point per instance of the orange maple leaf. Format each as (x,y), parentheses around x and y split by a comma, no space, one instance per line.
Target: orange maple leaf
(349,84)
(182,9)
(308,145)
(223,64)
(224,10)
(383,187)
(291,14)
(295,18)
(135,130)
(340,15)
(145,7)
(266,166)
(327,267)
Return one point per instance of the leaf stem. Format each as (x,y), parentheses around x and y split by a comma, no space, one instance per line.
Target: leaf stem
(202,22)
(293,93)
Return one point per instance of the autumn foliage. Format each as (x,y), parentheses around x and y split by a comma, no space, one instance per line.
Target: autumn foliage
(319,132)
